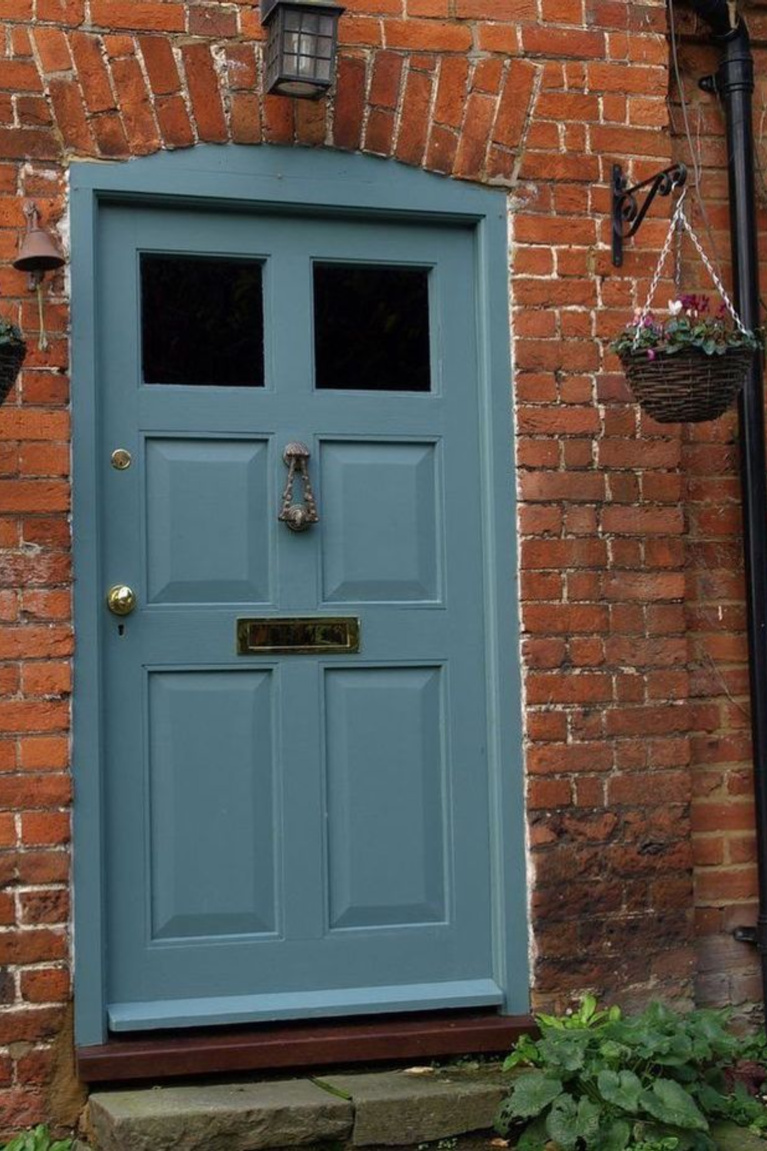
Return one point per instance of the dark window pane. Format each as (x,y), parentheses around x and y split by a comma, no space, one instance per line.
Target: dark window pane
(371,328)
(202,321)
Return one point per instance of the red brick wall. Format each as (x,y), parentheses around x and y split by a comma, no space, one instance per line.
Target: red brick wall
(633,693)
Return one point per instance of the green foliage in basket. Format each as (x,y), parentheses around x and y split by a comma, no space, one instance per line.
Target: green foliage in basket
(600,1081)
(691,324)
(10,335)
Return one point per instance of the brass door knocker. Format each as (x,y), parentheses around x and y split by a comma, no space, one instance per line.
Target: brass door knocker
(298,517)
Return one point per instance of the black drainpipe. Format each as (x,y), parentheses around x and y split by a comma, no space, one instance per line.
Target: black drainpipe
(734,84)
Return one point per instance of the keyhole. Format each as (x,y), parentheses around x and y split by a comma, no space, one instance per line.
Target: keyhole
(121,629)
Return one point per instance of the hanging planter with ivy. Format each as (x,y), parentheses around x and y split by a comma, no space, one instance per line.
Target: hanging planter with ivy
(13,349)
(690,365)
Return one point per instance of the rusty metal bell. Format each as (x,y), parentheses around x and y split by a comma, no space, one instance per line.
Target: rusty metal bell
(38,253)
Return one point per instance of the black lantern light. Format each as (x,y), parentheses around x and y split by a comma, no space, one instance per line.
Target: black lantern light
(301,46)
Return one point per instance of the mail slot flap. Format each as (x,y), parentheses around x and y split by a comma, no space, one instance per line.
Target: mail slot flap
(324,634)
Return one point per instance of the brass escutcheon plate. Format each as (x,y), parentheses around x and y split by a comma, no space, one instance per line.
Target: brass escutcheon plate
(320,635)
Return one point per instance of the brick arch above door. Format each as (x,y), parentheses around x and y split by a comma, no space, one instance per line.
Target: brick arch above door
(451,98)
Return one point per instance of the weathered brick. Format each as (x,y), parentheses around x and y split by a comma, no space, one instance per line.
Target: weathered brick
(135,106)
(350,102)
(214,21)
(143,15)
(204,92)
(414,126)
(160,64)
(53,50)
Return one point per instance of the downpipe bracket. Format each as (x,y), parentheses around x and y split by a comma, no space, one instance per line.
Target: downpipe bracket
(756,936)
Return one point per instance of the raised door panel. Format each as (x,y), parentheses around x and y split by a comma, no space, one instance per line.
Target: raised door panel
(386,802)
(207,525)
(381,538)
(212,803)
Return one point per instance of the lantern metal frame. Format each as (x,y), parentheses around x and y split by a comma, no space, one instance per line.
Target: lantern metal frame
(301,46)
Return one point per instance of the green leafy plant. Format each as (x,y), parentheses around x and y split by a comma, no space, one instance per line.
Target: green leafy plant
(37,1139)
(10,335)
(691,325)
(599,1081)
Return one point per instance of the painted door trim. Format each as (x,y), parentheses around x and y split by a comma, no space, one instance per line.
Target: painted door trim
(268,178)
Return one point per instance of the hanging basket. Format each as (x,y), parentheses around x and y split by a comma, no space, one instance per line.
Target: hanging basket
(11,359)
(686,387)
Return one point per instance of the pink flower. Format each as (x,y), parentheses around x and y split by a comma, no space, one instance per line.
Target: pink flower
(651,353)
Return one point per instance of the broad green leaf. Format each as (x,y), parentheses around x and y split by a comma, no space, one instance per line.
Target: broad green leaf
(711,1100)
(534,1137)
(524,1051)
(562,1123)
(588,1007)
(545,1021)
(669,1102)
(568,1123)
(610,1050)
(622,1088)
(532,1093)
(564,1050)
(504,1118)
(615,1136)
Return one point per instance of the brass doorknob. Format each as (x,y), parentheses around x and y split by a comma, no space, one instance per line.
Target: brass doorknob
(121,599)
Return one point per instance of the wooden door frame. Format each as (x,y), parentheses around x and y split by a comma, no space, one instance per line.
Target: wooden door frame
(320,181)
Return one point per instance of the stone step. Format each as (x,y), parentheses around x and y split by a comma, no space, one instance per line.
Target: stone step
(383,1109)
(404,1108)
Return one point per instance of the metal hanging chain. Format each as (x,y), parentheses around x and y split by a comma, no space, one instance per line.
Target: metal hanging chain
(717,282)
(675,220)
(680,223)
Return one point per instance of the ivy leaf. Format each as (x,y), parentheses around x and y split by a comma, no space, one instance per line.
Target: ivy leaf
(669,1102)
(621,1088)
(532,1093)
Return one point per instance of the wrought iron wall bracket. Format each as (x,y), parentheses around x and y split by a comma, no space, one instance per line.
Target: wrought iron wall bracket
(627,210)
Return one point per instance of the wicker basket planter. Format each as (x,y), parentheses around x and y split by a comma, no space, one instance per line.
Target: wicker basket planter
(686,387)
(11,359)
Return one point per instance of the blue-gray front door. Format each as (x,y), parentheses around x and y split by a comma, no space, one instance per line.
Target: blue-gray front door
(299,834)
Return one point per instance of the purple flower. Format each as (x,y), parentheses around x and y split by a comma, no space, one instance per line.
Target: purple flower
(651,353)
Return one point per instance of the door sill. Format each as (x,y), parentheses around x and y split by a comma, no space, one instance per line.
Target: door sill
(275,1047)
(232,1009)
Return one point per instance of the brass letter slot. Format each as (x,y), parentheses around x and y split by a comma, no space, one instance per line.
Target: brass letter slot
(322,634)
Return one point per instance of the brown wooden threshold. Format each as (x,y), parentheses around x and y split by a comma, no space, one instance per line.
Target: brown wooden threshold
(273,1047)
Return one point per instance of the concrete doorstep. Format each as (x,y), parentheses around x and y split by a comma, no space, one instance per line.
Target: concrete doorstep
(403,1108)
